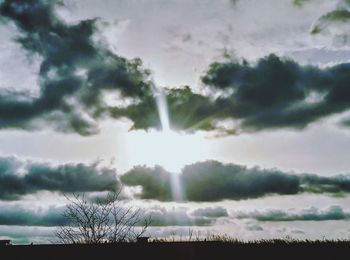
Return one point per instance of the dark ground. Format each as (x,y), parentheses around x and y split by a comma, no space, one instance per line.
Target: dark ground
(182,250)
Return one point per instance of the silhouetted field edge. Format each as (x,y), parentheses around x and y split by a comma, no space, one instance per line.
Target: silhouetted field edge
(238,249)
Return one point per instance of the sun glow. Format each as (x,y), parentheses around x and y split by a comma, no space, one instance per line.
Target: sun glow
(169,149)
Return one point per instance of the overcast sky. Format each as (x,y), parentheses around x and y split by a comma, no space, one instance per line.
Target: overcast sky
(257,94)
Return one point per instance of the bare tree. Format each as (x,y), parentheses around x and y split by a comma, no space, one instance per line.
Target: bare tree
(91,222)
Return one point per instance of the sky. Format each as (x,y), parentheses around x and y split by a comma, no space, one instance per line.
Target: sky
(216,116)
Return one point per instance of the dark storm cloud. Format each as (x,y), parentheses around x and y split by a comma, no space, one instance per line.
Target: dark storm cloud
(318,184)
(15,182)
(214,181)
(187,110)
(155,181)
(76,71)
(73,66)
(273,93)
(278,93)
(311,214)
(211,181)
(203,181)
(16,215)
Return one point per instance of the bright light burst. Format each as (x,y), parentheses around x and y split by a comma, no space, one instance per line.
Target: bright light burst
(169,149)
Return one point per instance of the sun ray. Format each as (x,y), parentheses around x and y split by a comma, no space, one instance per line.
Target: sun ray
(162,107)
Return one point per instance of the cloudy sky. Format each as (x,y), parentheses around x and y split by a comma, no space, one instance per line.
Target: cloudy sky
(216,116)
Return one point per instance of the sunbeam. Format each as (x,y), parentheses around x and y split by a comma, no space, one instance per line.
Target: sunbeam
(162,107)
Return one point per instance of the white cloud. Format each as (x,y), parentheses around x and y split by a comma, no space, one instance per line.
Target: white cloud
(13,57)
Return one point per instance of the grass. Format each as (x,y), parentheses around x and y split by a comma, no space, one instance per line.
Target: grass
(212,247)
(224,238)
(193,246)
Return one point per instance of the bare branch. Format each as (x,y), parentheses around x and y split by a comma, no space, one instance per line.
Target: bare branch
(92,223)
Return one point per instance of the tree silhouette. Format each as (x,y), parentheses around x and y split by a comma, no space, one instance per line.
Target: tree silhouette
(92,222)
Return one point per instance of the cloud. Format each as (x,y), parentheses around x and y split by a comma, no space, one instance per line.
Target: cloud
(215,181)
(234,2)
(322,56)
(346,122)
(202,181)
(300,3)
(273,93)
(77,71)
(211,181)
(155,181)
(19,215)
(17,179)
(187,110)
(28,234)
(331,18)
(211,212)
(254,227)
(278,93)
(311,214)
(16,215)
(180,216)
(74,72)
(318,184)
(334,23)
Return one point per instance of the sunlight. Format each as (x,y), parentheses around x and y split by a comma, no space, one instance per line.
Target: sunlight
(169,149)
